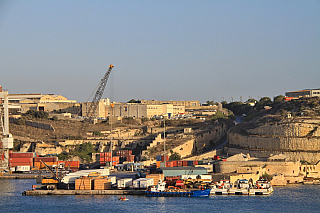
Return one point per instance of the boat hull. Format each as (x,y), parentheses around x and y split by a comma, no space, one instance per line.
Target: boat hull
(196,193)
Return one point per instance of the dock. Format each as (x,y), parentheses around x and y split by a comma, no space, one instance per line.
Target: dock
(83,192)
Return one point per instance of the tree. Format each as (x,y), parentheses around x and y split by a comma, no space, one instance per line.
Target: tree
(175,156)
(278,99)
(132,101)
(265,101)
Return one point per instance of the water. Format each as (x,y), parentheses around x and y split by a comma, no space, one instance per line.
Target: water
(295,198)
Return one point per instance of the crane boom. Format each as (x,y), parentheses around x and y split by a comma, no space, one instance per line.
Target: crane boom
(95,101)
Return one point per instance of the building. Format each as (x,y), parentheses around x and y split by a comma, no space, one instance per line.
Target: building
(43,102)
(135,110)
(186,104)
(304,93)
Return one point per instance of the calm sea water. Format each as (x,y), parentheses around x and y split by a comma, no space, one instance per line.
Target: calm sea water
(295,198)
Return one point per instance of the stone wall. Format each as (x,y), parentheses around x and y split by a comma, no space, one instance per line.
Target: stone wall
(274,143)
(311,157)
(286,130)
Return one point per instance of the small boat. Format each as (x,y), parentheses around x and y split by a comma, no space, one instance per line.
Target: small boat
(262,187)
(160,191)
(123,199)
(221,188)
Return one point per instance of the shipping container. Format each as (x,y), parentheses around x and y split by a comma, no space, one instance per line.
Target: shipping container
(46,159)
(165,158)
(156,177)
(142,183)
(22,154)
(107,154)
(20,160)
(195,162)
(84,184)
(158,164)
(190,163)
(179,163)
(130,158)
(169,164)
(174,163)
(158,158)
(22,168)
(124,183)
(20,164)
(102,184)
(184,163)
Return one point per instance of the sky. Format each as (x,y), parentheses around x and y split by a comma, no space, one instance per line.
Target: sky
(220,50)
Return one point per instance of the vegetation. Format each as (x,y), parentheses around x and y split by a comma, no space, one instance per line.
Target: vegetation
(267,176)
(97,133)
(37,114)
(175,156)
(83,151)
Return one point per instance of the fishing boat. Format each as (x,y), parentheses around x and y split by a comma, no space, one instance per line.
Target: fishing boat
(159,190)
(262,187)
(221,188)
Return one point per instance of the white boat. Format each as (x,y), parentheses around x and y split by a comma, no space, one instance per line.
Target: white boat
(262,187)
(220,188)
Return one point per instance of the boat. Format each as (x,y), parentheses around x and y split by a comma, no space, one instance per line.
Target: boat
(262,187)
(159,190)
(220,188)
(241,187)
(123,199)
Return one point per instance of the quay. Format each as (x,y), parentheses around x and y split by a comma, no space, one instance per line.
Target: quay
(83,192)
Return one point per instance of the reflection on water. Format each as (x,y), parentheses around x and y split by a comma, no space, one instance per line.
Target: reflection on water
(295,198)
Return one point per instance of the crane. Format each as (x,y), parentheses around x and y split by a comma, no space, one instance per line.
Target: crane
(95,101)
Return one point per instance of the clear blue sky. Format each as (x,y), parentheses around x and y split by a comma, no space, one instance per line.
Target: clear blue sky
(162,50)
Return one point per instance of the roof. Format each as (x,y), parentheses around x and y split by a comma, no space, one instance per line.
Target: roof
(183,168)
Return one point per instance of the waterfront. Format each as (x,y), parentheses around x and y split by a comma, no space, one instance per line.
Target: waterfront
(294,198)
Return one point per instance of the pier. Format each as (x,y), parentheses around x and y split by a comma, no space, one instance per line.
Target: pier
(83,192)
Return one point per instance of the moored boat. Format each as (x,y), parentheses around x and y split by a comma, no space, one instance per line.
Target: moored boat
(159,190)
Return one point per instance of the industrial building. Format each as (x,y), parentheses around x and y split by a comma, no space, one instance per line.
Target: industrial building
(304,93)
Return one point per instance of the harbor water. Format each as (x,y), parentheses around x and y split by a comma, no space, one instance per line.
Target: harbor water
(293,198)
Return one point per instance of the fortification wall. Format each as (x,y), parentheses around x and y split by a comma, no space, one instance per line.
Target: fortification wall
(312,157)
(286,130)
(274,143)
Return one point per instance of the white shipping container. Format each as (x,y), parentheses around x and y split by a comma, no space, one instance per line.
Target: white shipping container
(143,183)
(113,179)
(124,183)
(22,168)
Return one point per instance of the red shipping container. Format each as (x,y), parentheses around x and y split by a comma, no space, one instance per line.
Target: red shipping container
(169,164)
(179,163)
(108,154)
(116,158)
(20,160)
(164,158)
(102,159)
(118,153)
(21,155)
(0,145)
(174,163)
(184,163)
(73,163)
(107,159)
(195,162)
(102,154)
(130,158)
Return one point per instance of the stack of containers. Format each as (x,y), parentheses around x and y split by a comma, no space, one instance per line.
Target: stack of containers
(156,177)
(125,155)
(102,184)
(21,158)
(104,158)
(84,183)
(50,161)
